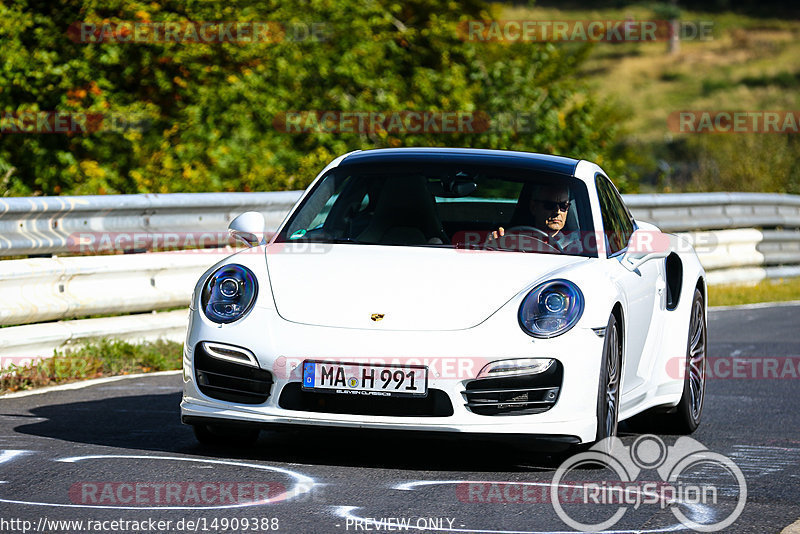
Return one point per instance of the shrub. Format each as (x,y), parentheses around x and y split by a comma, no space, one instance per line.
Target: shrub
(209,108)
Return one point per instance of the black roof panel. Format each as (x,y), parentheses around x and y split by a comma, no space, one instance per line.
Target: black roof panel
(540,162)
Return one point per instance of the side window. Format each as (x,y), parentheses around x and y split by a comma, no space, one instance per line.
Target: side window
(610,227)
(617,221)
(622,213)
(323,214)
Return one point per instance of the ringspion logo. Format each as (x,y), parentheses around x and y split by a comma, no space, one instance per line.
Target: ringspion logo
(690,475)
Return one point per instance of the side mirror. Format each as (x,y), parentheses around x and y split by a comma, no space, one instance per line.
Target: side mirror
(249,227)
(643,246)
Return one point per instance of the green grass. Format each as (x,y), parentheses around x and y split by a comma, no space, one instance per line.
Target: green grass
(101,358)
(767,291)
(750,64)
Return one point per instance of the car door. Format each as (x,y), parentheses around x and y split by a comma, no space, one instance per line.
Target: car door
(640,286)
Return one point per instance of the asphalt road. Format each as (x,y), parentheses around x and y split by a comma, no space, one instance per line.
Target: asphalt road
(117,452)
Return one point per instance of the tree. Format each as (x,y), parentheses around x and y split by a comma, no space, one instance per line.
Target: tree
(210,109)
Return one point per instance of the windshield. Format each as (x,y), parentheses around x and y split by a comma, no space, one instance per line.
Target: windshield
(439,205)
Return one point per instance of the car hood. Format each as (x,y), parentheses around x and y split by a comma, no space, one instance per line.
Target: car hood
(412,288)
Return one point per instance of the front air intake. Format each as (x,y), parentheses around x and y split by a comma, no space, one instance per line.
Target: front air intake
(226,373)
(435,404)
(515,395)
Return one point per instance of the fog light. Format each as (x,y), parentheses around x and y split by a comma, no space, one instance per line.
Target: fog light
(522,366)
(230,353)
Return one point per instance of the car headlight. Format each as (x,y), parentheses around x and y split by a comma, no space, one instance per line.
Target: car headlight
(229,293)
(551,309)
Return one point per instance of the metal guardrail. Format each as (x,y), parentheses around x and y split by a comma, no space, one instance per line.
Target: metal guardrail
(739,237)
(45,289)
(54,225)
(747,255)
(686,212)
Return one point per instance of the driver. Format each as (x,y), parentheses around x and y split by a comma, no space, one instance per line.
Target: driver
(547,210)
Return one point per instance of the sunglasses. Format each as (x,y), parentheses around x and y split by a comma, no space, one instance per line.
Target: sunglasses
(552,204)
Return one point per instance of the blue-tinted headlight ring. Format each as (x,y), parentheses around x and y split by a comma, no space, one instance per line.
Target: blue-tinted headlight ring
(229,293)
(551,309)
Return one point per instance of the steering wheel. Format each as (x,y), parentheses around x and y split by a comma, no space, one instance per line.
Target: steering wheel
(539,234)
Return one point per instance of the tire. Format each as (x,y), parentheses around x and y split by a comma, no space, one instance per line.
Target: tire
(686,416)
(610,377)
(225,436)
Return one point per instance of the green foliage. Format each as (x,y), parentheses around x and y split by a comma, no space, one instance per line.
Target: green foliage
(751,162)
(666,11)
(785,80)
(101,358)
(210,108)
(120,357)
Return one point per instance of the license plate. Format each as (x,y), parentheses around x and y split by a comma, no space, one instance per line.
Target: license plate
(365,379)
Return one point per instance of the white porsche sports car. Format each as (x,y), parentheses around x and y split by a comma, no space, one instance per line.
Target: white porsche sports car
(451,290)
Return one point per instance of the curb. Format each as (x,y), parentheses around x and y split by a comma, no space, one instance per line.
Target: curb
(84,384)
(757,305)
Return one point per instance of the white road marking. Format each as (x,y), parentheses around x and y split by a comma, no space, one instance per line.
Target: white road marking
(757,461)
(8,455)
(303,484)
(84,384)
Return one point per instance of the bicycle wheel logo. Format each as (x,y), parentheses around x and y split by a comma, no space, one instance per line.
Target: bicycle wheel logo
(688,474)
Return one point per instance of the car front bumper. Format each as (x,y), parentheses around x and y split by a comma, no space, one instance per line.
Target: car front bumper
(456,357)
